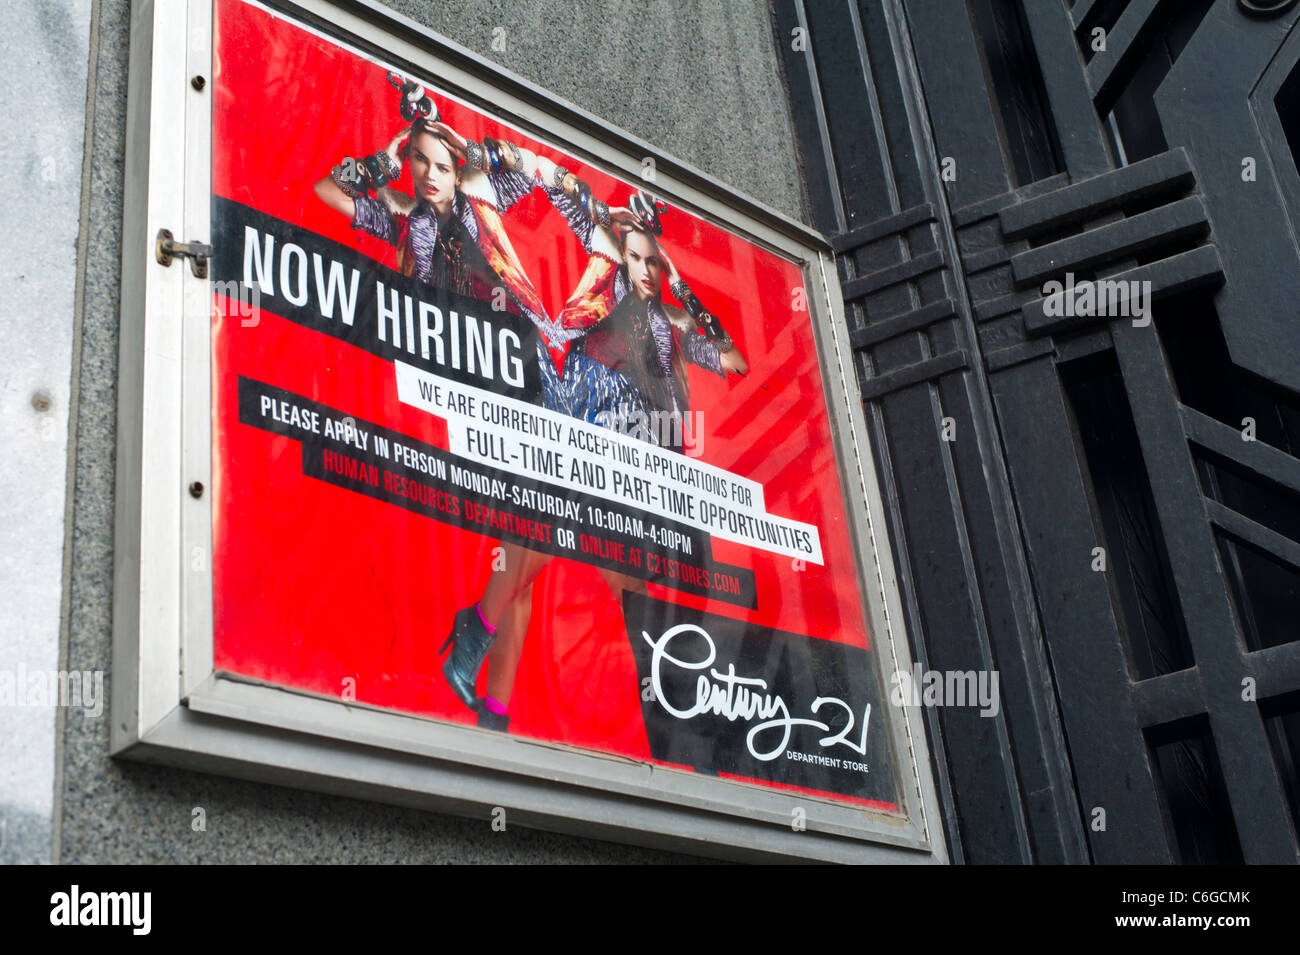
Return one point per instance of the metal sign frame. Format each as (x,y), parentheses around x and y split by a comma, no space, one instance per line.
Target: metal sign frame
(168,704)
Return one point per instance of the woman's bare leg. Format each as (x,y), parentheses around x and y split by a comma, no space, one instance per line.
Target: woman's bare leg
(508,601)
(503,658)
(521,568)
(507,605)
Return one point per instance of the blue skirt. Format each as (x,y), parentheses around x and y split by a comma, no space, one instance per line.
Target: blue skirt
(593,392)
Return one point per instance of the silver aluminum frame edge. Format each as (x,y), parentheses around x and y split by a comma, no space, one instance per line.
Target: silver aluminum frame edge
(170,707)
(146,585)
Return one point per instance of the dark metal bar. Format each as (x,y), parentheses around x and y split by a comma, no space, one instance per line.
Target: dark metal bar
(895,325)
(873,388)
(1223,439)
(801,71)
(1251,532)
(881,228)
(1276,669)
(1104,68)
(1089,199)
(1016,354)
(1079,12)
(1255,790)
(1109,756)
(1083,148)
(1166,698)
(883,278)
(1183,219)
(1031,753)
(1199,268)
(986,208)
(952,71)
(990,258)
(991,308)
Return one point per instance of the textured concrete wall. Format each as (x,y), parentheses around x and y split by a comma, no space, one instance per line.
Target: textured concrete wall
(712,95)
(42,97)
(699,78)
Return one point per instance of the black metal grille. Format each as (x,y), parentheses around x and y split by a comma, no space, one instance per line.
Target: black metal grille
(961,157)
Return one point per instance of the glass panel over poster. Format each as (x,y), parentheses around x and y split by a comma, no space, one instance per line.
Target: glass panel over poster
(503,440)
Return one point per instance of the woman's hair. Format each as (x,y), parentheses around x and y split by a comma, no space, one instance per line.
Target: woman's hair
(624,233)
(418,128)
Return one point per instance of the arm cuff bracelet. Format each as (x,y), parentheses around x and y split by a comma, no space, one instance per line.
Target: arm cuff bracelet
(681,291)
(350,189)
(492,155)
(560,173)
(602,213)
(390,165)
(474,155)
(374,170)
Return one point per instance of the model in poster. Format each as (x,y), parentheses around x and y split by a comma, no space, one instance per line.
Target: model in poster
(628,368)
(450,233)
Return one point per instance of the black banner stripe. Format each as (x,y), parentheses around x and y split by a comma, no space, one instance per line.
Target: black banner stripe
(254,254)
(433,491)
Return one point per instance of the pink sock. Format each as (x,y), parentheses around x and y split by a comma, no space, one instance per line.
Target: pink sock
(494,706)
(490,629)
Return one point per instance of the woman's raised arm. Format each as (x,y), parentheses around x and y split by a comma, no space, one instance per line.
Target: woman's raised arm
(729,357)
(331,193)
(350,178)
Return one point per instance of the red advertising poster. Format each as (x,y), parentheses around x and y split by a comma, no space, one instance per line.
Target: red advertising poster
(502,440)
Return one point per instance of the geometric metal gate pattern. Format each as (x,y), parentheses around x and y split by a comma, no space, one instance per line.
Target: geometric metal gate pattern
(1104,509)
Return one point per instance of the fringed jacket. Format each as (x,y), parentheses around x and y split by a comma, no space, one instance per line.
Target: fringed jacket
(472,255)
